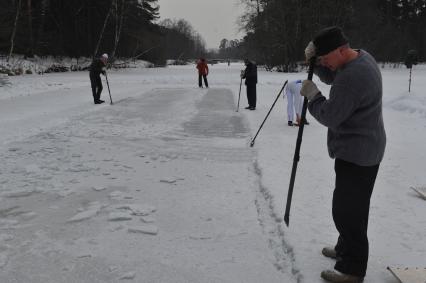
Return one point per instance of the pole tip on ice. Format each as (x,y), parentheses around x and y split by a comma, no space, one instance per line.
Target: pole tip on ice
(251,144)
(287,219)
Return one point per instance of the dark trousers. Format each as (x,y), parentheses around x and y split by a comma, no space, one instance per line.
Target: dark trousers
(251,95)
(351,206)
(96,83)
(200,84)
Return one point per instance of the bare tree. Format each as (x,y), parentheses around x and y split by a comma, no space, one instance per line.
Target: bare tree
(30,51)
(103,29)
(12,38)
(119,17)
(42,20)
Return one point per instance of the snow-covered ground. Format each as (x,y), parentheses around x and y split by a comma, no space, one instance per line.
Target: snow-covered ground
(162,186)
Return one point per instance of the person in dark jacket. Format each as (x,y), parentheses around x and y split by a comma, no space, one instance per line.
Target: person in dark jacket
(96,69)
(250,76)
(356,140)
(203,72)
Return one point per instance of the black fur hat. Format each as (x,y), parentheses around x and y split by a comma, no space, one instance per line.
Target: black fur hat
(329,39)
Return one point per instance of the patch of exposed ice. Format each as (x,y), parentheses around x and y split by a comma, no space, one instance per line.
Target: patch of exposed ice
(144,229)
(119,216)
(147,219)
(90,212)
(128,276)
(138,209)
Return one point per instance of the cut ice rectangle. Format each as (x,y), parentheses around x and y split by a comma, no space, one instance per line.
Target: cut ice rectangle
(409,274)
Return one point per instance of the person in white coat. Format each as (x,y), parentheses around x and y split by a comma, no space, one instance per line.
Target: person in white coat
(294,102)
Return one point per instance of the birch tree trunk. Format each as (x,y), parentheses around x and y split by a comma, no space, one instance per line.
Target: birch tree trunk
(12,38)
(118,25)
(103,29)
(30,51)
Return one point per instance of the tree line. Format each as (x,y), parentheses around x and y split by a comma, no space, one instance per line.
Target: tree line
(121,28)
(277,31)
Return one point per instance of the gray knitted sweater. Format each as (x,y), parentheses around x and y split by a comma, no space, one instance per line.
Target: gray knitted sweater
(353,111)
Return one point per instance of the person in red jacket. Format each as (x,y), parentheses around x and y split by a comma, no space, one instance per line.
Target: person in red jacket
(203,71)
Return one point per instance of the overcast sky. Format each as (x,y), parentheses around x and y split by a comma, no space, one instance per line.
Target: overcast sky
(212,19)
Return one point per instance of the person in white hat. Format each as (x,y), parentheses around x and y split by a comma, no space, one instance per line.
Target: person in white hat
(96,69)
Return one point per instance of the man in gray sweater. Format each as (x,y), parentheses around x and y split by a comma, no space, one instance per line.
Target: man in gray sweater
(356,139)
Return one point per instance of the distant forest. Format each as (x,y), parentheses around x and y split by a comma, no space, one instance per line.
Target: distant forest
(121,28)
(276,31)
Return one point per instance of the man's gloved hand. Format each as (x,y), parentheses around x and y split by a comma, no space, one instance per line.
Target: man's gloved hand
(309,89)
(242,74)
(310,51)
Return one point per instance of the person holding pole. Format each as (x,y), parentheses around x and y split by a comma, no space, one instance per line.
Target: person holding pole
(96,69)
(356,140)
(294,102)
(250,76)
